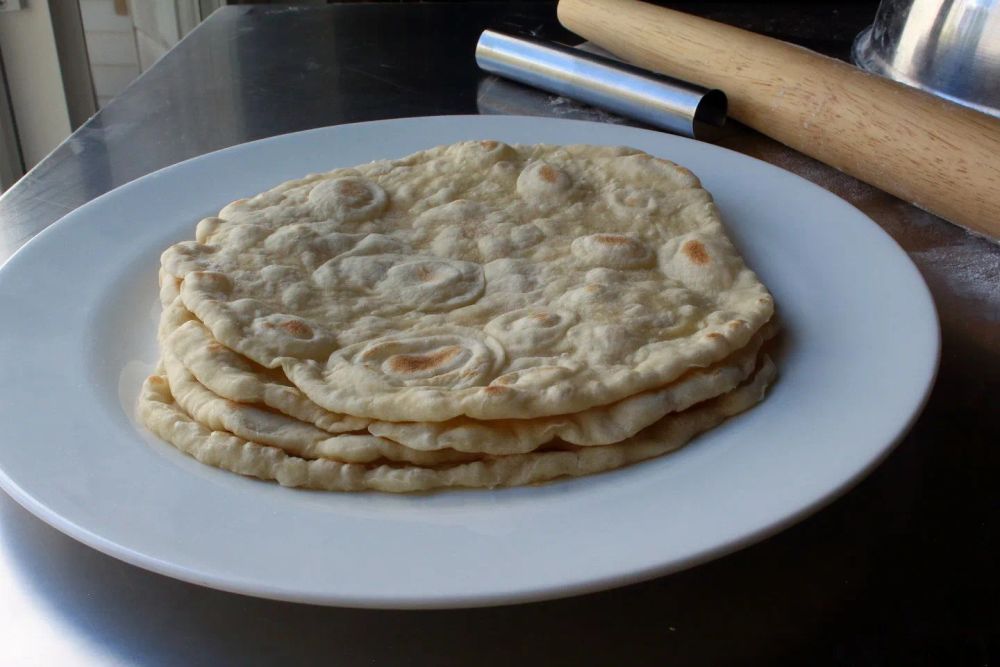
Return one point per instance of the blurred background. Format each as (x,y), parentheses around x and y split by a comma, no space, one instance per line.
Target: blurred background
(62,60)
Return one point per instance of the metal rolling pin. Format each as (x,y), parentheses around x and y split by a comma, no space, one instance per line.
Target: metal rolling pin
(669,104)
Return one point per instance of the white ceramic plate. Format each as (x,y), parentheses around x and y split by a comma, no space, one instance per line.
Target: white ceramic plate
(78,307)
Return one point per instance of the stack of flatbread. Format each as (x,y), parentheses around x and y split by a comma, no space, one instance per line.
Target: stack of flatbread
(478,315)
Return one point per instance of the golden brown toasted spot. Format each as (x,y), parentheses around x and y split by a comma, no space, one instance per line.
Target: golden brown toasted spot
(506,379)
(215,347)
(737,324)
(545,319)
(414,363)
(714,336)
(495,390)
(351,189)
(296,328)
(696,252)
(424,273)
(611,239)
(592,288)
(210,280)
(548,174)
(489,144)
(155,379)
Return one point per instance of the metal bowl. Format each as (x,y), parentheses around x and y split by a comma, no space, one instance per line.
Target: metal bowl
(947,47)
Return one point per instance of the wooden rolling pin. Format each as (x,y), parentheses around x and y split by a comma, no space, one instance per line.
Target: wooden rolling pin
(940,156)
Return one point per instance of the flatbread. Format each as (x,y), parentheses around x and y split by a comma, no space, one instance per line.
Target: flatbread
(477,279)
(231,376)
(167,420)
(599,425)
(170,288)
(295,437)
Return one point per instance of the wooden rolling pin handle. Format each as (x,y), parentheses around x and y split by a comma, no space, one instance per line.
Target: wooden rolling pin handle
(940,156)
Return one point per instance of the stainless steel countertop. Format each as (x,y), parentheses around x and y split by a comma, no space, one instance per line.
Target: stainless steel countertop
(901,569)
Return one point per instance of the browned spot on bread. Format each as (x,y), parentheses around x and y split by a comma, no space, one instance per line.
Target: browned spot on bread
(548,174)
(414,363)
(506,379)
(489,144)
(495,390)
(211,280)
(763,300)
(696,252)
(737,324)
(351,189)
(424,272)
(545,319)
(611,239)
(215,347)
(714,336)
(155,379)
(592,288)
(297,328)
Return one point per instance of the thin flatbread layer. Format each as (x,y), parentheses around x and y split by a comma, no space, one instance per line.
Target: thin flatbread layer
(164,417)
(236,378)
(477,279)
(291,435)
(599,425)
(170,288)
(231,376)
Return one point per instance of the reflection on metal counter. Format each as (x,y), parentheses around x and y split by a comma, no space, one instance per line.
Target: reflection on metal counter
(497,96)
(669,104)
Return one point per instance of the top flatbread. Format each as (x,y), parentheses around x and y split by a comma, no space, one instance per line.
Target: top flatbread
(475,279)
